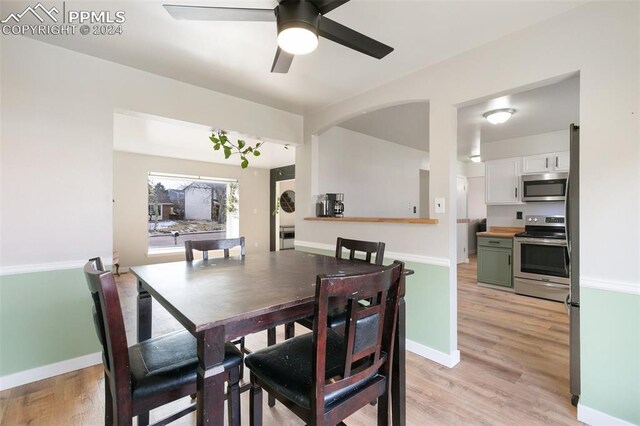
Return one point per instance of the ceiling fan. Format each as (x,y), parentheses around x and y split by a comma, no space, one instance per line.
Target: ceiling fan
(299,23)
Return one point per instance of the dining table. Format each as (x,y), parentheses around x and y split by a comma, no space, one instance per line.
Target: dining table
(221,299)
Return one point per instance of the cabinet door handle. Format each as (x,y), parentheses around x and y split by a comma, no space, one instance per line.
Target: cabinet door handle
(509,259)
(556,162)
(516,188)
(494,242)
(547,163)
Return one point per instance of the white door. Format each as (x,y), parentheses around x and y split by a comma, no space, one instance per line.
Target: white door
(462,228)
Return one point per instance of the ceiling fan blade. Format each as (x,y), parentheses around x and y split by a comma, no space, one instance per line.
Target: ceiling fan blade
(347,37)
(282,62)
(325,6)
(205,13)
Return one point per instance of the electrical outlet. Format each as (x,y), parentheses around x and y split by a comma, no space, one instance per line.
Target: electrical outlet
(518,215)
(440,205)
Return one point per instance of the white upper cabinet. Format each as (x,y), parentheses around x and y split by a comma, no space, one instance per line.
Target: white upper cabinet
(502,181)
(561,161)
(541,163)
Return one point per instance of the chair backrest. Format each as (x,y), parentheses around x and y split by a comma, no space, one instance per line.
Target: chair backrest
(107,317)
(369,330)
(205,245)
(356,246)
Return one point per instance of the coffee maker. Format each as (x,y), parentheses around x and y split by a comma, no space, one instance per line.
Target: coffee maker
(330,205)
(336,204)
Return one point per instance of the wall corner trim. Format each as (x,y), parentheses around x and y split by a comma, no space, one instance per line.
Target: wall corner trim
(40,373)
(591,416)
(405,257)
(448,360)
(626,287)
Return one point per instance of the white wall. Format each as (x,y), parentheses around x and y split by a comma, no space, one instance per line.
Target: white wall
(506,215)
(609,85)
(57,136)
(378,178)
(474,169)
(527,145)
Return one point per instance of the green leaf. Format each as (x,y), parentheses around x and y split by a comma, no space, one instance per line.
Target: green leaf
(216,146)
(241,144)
(256,152)
(244,162)
(214,139)
(227,152)
(224,138)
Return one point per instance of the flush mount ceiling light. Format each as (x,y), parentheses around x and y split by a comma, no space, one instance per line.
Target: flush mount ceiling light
(499,116)
(297,40)
(475,158)
(297,27)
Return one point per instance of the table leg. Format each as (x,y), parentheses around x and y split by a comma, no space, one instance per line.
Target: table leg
(398,375)
(144,313)
(210,389)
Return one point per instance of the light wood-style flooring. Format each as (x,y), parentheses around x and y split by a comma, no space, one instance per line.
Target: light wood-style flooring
(513,370)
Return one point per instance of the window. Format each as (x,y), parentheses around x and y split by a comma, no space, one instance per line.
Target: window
(182,208)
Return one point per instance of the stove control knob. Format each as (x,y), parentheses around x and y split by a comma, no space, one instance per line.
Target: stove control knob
(529,219)
(535,219)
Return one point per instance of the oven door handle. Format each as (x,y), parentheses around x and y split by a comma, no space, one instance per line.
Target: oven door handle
(541,241)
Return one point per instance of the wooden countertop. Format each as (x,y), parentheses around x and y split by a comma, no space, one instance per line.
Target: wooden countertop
(501,231)
(375,219)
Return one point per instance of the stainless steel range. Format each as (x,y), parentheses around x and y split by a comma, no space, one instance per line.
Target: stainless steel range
(541,259)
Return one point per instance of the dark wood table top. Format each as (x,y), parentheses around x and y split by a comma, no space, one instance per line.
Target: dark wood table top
(237,288)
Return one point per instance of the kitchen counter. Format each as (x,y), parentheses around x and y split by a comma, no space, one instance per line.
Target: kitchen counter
(501,231)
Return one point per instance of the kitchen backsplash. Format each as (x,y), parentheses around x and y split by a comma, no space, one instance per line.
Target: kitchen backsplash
(506,215)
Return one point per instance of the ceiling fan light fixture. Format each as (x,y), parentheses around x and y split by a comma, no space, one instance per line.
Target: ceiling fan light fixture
(298,40)
(499,116)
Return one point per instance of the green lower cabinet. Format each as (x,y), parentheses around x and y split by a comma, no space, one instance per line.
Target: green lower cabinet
(494,261)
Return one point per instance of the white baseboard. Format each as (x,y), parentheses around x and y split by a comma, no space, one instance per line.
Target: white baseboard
(596,418)
(39,373)
(433,354)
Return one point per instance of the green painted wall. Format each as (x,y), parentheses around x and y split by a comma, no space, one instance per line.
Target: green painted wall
(45,317)
(427,301)
(610,353)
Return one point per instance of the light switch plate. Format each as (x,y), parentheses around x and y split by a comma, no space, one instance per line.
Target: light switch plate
(440,205)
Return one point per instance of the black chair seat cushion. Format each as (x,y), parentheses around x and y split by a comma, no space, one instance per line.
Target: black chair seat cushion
(287,369)
(170,361)
(336,319)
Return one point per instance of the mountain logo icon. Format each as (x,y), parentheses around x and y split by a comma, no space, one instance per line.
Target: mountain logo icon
(34,11)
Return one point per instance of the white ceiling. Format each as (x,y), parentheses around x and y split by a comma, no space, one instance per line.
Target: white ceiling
(545,109)
(235,57)
(145,134)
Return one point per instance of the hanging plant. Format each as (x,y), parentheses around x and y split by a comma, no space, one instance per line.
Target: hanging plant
(220,140)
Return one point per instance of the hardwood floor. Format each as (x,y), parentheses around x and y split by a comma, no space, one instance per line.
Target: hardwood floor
(513,370)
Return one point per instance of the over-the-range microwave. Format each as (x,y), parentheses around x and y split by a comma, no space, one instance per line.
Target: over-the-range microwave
(545,186)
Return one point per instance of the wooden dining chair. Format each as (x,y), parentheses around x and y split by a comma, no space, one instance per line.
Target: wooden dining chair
(151,373)
(206,245)
(324,377)
(225,244)
(357,250)
(366,248)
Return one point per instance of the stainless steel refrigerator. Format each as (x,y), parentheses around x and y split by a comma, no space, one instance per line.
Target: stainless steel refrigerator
(572,214)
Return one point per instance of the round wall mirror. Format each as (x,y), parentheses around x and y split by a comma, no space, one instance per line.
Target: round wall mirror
(288,201)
